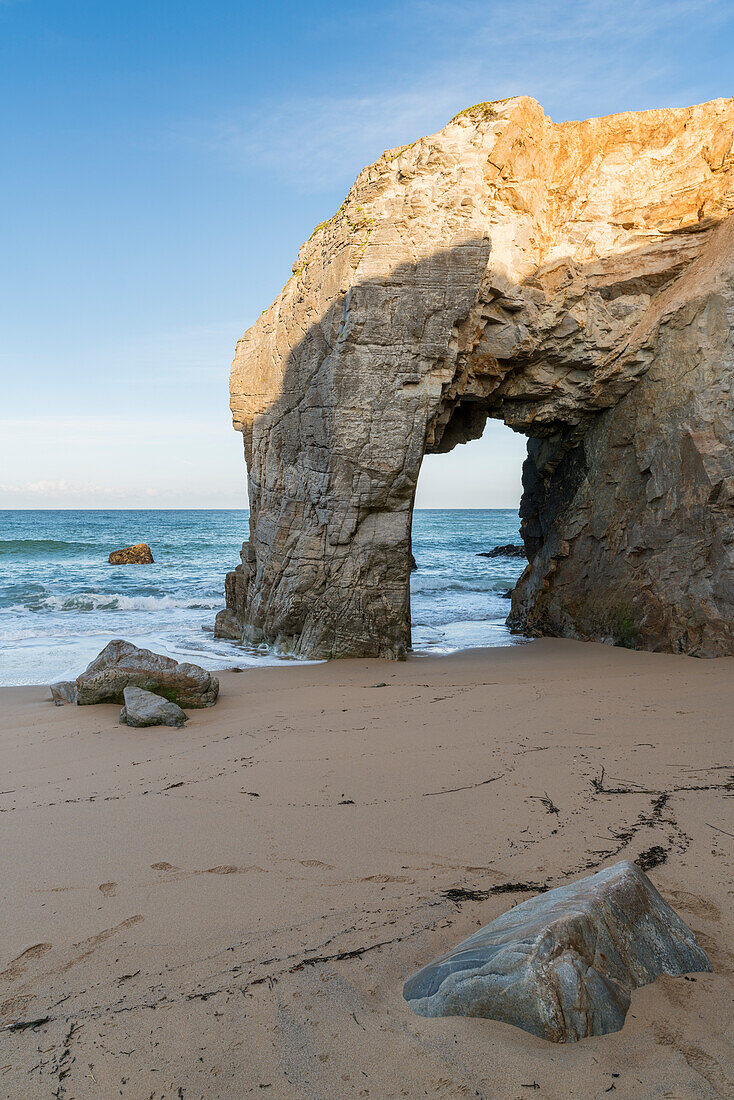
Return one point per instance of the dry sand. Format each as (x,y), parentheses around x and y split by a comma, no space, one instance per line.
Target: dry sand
(231,909)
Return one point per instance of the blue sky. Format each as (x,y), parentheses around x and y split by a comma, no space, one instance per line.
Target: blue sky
(163,161)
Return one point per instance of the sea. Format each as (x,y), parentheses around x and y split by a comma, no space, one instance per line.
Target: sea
(61,602)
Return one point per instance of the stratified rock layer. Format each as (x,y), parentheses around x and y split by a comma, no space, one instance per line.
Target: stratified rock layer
(122,664)
(563,965)
(574,280)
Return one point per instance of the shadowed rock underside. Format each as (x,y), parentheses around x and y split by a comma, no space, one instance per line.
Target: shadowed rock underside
(573,280)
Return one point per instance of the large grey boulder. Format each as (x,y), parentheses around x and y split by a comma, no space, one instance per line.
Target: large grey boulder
(121,664)
(143,708)
(562,965)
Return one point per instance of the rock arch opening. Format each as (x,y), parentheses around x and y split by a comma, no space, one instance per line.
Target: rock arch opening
(465,518)
(574,281)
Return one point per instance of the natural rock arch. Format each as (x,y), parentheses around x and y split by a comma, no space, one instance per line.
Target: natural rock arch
(574,280)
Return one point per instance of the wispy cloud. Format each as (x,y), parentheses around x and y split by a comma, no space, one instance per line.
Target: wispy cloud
(78,490)
(310,140)
(578,57)
(577,21)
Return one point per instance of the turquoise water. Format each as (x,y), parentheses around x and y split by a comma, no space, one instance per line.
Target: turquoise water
(61,602)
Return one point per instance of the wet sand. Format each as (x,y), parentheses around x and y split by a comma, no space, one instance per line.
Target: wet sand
(232,909)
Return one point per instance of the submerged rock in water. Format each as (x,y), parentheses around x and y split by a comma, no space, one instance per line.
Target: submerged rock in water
(144,708)
(140,554)
(121,664)
(509,550)
(63,692)
(562,965)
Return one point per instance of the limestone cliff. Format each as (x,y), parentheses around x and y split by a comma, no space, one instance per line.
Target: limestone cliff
(574,280)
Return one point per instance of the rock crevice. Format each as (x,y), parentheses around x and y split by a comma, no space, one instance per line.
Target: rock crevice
(573,280)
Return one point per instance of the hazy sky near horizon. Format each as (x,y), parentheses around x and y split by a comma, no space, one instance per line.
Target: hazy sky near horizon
(163,161)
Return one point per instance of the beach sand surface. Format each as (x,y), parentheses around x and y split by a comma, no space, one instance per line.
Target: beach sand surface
(232,909)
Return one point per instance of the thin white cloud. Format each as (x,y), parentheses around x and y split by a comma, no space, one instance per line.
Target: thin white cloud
(564,21)
(590,57)
(73,489)
(312,140)
(111,460)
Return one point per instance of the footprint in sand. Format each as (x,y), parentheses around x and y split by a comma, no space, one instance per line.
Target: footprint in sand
(315,863)
(695,904)
(108,889)
(19,964)
(86,947)
(220,869)
(387,878)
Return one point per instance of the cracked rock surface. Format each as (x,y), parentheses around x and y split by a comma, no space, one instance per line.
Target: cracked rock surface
(562,965)
(575,281)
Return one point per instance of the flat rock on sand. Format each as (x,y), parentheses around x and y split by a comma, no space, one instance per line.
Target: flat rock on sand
(562,965)
(144,708)
(121,664)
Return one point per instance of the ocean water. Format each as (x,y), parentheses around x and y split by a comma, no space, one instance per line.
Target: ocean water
(61,602)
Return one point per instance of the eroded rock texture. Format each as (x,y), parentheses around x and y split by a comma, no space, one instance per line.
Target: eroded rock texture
(121,665)
(563,965)
(574,280)
(139,554)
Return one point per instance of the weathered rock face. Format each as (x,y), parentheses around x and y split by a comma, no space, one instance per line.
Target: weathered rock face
(122,664)
(139,554)
(144,708)
(574,280)
(563,965)
(63,692)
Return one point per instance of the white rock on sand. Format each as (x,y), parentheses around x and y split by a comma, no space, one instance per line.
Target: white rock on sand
(144,708)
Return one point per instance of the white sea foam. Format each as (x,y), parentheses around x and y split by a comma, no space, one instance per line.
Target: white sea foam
(102,601)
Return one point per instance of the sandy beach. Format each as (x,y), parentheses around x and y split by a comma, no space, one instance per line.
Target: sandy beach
(232,909)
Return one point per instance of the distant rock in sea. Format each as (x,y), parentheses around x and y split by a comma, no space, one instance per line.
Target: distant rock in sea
(509,550)
(121,664)
(562,965)
(144,708)
(139,554)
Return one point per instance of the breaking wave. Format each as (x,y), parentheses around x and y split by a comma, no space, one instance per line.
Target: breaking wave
(44,548)
(95,601)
